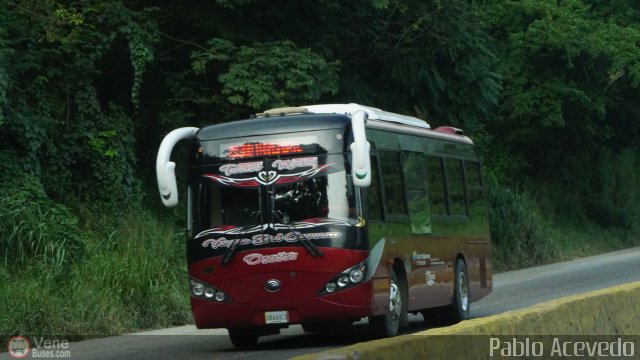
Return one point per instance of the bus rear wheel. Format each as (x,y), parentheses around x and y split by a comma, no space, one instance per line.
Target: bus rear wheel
(459,309)
(388,325)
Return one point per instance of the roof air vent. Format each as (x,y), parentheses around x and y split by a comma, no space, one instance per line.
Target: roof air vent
(449,130)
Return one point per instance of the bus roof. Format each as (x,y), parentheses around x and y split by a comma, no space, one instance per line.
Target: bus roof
(272,125)
(324,117)
(348,109)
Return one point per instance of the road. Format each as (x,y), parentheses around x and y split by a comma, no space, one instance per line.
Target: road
(512,290)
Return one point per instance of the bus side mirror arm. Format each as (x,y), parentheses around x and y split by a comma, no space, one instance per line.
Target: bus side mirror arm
(360,163)
(165,168)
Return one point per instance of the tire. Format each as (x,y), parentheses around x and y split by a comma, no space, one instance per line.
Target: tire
(459,308)
(461,303)
(243,339)
(387,325)
(315,327)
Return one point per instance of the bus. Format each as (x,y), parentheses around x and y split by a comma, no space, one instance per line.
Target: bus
(323,215)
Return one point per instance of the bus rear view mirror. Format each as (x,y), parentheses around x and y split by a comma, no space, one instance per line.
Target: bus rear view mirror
(165,168)
(360,161)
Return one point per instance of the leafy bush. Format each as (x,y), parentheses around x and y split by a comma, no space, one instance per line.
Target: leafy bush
(615,195)
(34,229)
(520,235)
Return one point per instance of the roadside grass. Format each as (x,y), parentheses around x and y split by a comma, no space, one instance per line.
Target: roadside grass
(574,241)
(132,275)
(564,242)
(523,235)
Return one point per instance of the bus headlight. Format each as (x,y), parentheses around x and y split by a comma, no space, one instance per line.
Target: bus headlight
(197,288)
(356,275)
(330,287)
(346,279)
(202,290)
(209,292)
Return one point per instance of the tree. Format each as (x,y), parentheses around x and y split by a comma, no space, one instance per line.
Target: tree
(570,77)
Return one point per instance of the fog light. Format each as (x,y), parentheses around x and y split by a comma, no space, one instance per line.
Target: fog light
(331,287)
(220,296)
(343,281)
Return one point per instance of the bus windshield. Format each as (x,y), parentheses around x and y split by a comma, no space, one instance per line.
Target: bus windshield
(303,189)
(320,197)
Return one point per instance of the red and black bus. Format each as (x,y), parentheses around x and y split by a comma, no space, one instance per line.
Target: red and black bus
(326,214)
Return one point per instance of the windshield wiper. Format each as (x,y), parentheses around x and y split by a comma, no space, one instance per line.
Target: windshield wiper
(232,249)
(310,246)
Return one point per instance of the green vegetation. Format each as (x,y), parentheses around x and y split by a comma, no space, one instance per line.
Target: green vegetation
(131,275)
(548,89)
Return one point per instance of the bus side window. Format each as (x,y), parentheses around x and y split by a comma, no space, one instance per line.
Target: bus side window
(413,167)
(374,202)
(435,186)
(392,186)
(475,188)
(455,186)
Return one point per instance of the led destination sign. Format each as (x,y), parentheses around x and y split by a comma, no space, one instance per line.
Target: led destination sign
(275,147)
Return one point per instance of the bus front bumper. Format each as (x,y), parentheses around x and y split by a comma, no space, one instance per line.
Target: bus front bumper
(347,305)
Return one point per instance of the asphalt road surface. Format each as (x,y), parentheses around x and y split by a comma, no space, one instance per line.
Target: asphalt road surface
(512,290)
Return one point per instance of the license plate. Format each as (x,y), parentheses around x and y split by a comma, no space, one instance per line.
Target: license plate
(276,317)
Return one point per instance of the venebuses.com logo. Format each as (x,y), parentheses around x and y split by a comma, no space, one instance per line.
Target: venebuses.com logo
(18,347)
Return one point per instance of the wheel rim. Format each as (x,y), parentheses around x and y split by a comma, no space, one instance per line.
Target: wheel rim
(395,303)
(463,291)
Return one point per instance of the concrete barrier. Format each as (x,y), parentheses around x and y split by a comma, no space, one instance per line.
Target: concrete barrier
(609,315)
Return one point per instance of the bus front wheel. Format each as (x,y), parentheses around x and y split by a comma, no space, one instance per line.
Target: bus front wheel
(243,339)
(387,325)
